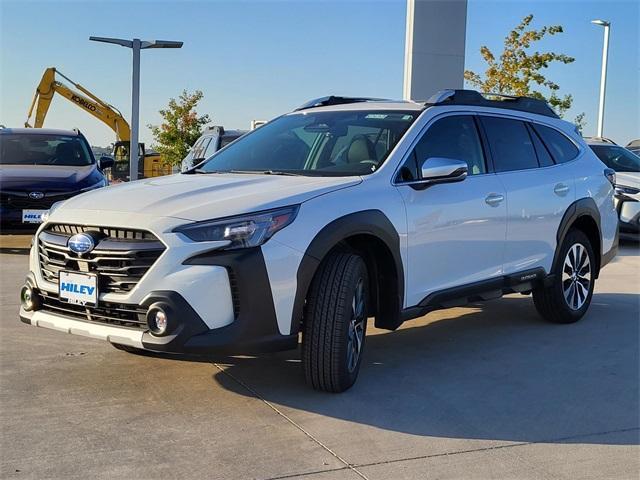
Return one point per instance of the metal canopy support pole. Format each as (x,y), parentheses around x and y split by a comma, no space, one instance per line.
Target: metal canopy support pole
(603,81)
(135,111)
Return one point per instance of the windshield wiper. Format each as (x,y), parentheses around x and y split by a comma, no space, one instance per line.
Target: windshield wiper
(265,172)
(247,172)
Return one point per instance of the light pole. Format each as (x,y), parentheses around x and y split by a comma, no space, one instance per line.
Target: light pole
(136,45)
(603,75)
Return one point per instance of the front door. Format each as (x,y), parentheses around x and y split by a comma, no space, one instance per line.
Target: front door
(456,231)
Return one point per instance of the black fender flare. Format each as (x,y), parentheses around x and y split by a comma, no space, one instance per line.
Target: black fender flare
(580,208)
(372,222)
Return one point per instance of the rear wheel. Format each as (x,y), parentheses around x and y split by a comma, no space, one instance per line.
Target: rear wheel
(569,296)
(335,323)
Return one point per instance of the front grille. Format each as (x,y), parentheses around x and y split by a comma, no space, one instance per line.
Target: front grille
(23,201)
(129,316)
(120,257)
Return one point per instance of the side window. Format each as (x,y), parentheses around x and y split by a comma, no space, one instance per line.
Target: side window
(510,143)
(561,148)
(544,158)
(199,148)
(211,148)
(453,137)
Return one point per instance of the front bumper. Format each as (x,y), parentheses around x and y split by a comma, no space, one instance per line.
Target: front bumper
(629,214)
(246,296)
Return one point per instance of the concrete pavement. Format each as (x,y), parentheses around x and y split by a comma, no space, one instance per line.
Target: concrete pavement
(485,391)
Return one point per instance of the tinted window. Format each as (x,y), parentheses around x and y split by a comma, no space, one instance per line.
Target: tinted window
(561,148)
(511,144)
(200,147)
(211,148)
(330,143)
(454,137)
(42,149)
(618,158)
(544,158)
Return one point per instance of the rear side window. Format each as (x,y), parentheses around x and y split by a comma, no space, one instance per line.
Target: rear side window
(510,143)
(561,148)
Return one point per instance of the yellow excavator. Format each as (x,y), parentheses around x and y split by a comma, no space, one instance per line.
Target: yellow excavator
(151,164)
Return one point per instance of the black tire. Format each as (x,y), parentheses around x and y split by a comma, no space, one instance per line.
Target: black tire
(334,327)
(551,301)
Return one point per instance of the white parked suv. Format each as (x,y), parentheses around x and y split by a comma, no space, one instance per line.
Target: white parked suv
(345,209)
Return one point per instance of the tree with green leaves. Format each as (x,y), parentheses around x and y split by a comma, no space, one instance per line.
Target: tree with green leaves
(180,128)
(519,72)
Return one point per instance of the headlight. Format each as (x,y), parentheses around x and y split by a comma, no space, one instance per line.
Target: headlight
(45,215)
(627,190)
(101,183)
(243,231)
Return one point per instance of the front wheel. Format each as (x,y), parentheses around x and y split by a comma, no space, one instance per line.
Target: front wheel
(335,323)
(567,299)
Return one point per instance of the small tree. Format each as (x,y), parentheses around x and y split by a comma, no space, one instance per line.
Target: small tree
(181,127)
(518,71)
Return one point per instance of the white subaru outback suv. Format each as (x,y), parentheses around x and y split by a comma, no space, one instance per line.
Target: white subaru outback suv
(345,209)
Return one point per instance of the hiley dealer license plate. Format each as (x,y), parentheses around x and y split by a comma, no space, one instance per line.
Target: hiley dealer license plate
(32,216)
(78,288)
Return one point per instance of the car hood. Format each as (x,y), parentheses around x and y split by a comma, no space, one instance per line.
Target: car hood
(628,179)
(43,177)
(205,196)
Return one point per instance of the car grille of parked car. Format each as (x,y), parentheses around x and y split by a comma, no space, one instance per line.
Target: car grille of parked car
(21,200)
(120,257)
(108,313)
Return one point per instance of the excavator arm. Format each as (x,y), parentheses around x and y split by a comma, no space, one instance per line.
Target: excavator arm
(82,98)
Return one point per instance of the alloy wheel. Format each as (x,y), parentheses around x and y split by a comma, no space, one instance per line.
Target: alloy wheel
(356,326)
(576,276)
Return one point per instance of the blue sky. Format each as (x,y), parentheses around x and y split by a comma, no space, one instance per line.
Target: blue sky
(255,60)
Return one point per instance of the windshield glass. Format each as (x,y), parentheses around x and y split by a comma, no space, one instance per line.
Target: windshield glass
(618,158)
(337,143)
(40,149)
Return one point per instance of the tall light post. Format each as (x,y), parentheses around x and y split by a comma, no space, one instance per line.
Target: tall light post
(136,45)
(603,75)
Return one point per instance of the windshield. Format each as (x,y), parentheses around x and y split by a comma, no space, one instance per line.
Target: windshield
(337,143)
(618,158)
(40,149)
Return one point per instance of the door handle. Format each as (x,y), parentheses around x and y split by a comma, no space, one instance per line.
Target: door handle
(561,189)
(494,199)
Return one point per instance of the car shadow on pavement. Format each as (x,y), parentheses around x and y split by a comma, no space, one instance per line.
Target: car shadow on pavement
(14,250)
(497,371)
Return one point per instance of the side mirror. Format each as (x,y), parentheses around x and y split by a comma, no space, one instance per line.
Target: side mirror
(443,170)
(105,162)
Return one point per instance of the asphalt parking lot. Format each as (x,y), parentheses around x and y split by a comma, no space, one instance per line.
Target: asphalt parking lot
(486,391)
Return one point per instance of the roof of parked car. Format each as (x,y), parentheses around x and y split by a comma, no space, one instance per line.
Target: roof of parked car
(369,105)
(600,141)
(38,131)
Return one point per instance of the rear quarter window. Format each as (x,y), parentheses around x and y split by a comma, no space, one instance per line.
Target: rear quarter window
(561,148)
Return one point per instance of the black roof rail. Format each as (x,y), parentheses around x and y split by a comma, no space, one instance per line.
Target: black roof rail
(337,100)
(495,100)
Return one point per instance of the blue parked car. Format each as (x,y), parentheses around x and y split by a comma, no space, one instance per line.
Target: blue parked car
(39,167)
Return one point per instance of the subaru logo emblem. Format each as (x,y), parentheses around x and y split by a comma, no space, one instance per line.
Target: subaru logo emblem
(36,195)
(81,243)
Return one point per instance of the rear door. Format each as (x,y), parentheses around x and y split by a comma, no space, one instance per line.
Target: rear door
(456,231)
(539,190)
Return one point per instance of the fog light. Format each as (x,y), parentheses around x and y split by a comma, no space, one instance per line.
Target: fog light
(158,321)
(27,298)
(161,321)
